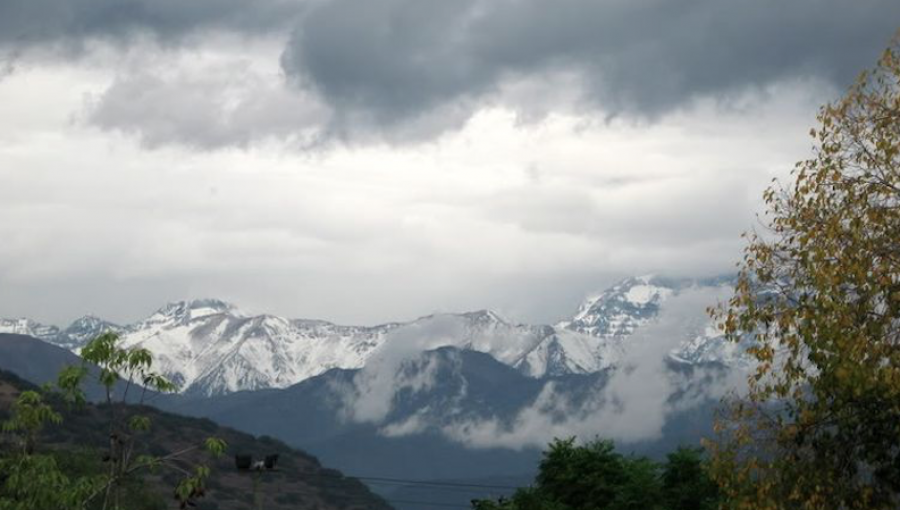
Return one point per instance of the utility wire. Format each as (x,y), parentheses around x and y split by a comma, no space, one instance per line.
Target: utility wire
(402,481)
(447,490)
(425,503)
(361,499)
(424,484)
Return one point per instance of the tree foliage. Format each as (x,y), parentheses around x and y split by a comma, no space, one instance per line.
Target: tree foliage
(36,481)
(29,415)
(819,295)
(686,484)
(594,476)
(31,478)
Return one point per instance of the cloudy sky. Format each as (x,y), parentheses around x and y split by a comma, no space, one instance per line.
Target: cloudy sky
(372,160)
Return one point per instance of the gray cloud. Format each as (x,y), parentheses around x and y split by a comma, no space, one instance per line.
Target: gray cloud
(207,107)
(71,23)
(400,70)
(391,61)
(592,212)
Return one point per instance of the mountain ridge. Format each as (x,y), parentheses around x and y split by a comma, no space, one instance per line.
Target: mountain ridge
(209,346)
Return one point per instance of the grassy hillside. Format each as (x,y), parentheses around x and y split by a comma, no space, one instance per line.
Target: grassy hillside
(300,482)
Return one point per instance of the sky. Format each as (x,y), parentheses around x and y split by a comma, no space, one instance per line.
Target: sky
(365,161)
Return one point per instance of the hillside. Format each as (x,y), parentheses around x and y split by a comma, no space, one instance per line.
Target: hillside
(299,483)
(465,390)
(34,361)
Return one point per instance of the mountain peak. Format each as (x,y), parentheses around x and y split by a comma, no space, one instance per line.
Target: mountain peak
(484,316)
(645,278)
(196,308)
(636,290)
(90,324)
(88,321)
(618,310)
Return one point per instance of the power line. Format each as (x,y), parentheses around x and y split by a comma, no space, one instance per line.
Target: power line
(424,484)
(434,484)
(359,498)
(471,489)
(444,490)
(402,481)
(426,503)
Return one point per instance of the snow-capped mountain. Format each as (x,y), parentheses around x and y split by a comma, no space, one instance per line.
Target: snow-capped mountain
(30,328)
(83,330)
(619,311)
(570,352)
(622,308)
(211,347)
(72,338)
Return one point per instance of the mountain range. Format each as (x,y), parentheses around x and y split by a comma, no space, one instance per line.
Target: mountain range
(210,347)
(467,397)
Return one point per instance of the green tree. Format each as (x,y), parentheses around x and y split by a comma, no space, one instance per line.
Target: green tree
(30,479)
(29,416)
(577,475)
(640,488)
(819,296)
(594,476)
(528,498)
(686,483)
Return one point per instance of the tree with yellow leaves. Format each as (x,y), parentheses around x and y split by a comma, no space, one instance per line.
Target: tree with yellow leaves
(819,296)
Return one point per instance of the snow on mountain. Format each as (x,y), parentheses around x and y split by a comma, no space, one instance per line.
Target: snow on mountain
(83,330)
(485,331)
(71,338)
(210,347)
(615,314)
(709,346)
(570,352)
(28,327)
(621,309)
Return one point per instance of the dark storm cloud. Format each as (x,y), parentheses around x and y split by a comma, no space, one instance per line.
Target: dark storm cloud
(26,23)
(412,69)
(392,60)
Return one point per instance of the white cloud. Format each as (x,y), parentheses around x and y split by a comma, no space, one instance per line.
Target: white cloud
(632,405)
(398,367)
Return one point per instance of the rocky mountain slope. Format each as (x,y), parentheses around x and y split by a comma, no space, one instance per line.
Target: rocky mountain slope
(210,347)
